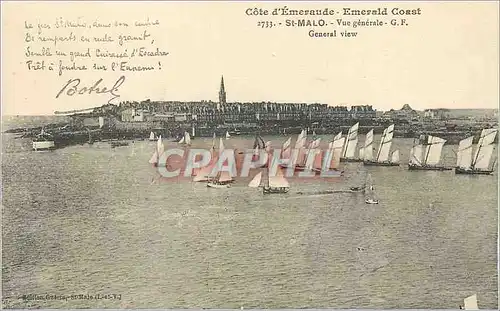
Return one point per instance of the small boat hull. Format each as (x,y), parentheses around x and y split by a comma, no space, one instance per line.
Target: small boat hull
(427,168)
(373,163)
(350,160)
(44,145)
(371,201)
(357,189)
(459,170)
(119,144)
(269,190)
(218,186)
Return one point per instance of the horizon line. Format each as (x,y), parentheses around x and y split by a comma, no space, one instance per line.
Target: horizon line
(67,115)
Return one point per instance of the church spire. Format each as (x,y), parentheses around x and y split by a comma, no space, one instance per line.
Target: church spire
(222,92)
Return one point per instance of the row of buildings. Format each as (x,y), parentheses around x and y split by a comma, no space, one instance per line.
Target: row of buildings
(222,112)
(208,112)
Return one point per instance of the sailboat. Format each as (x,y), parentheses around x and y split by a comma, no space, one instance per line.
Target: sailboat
(276,184)
(256,181)
(259,142)
(427,156)
(227,135)
(43,141)
(152,136)
(362,188)
(301,140)
(368,147)
(193,132)
(217,179)
(351,145)
(160,148)
(335,148)
(470,303)
(480,162)
(260,145)
(221,180)
(303,155)
(286,153)
(369,191)
(383,152)
(235,132)
(204,173)
(186,139)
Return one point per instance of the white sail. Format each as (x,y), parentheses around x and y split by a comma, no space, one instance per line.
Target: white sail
(464,154)
(351,148)
(287,143)
(152,136)
(385,145)
(338,145)
(416,155)
(369,182)
(487,136)
(361,152)
(187,138)
(315,143)
(336,149)
(385,148)
(286,154)
(301,139)
(317,162)
(268,147)
(433,150)
(337,152)
(221,146)
(224,176)
(278,181)
(395,156)
(484,149)
(183,140)
(255,183)
(227,135)
(351,141)
(381,142)
(301,157)
(160,148)
(368,149)
(470,303)
(154,158)
(484,157)
(193,132)
(207,171)
(303,142)
(338,136)
(369,189)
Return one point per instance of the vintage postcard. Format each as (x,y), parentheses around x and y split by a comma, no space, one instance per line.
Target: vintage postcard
(250,155)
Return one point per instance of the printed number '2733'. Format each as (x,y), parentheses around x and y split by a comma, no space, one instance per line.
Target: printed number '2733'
(265,24)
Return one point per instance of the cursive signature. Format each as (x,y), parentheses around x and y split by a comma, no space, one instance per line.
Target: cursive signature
(72,87)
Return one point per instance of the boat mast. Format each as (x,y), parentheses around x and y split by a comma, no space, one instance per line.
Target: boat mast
(428,151)
(477,153)
(346,143)
(381,144)
(413,154)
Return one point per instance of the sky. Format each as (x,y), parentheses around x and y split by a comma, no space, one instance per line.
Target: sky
(447,57)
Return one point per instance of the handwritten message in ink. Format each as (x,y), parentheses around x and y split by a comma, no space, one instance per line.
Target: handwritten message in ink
(66,47)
